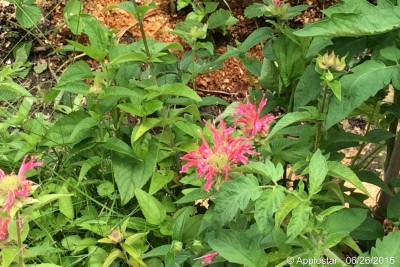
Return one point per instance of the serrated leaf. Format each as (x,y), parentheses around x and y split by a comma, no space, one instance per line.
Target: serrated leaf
(152,209)
(266,206)
(365,81)
(256,10)
(387,248)
(176,89)
(145,126)
(343,172)
(238,248)
(334,238)
(27,14)
(75,72)
(299,220)
(84,125)
(117,145)
(287,205)
(318,170)
(308,88)
(132,174)
(256,37)
(218,18)
(194,195)
(354,18)
(290,118)
(15,88)
(133,56)
(235,195)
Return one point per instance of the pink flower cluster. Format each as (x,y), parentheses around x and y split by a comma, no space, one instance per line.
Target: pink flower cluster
(208,258)
(14,188)
(213,162)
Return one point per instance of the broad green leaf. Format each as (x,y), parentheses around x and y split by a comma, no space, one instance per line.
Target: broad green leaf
(365,81)
(235,195)
(75,72)
(145,126)
(194,195)
(105,189)
(92,51)
(266,206)
(176,89)
(159,180)
(132,174)
(218,18)
(256,10)
(352,217)
(87,165)
(373,178)
(392,53)
(117,145)
(370,229)
(69,242)
(343,172)
(289,55)
(152,209)
(97,256)
(80,88)
(360,18)
(393,210)
(14,88)
(181,219)
(309,115)
(65,203)
(238,248)
(13,231)
(9,254)
(267,169)
(85,124)
(256,37)
(72,14)
(318,170)
(328,211)
(289,203)
(59,133)
(334,238)
(27,14)
(119,91)
(299,220)
(188,128)
(133,56)
(388,248)
(308,88)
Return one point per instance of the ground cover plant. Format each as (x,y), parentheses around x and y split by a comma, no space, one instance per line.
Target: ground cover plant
(120,163)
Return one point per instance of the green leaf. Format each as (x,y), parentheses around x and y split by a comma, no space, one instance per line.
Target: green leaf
(72,14)
(14,88)
(145,126)
(117,145)
(393,210)
(299,220)
(318,170)
(65,203)
(194,195)
(354,18)
(392,53)
(176,89)
(267,169)
(218,18)
(27,14)
(92,51)
(181,223)
(159,180)
(343,172)
(13,231)
(133,56)
(152,209)
(334,238)
(89,164)
(75,72)
(387,248)
(336,88)
(112,256)
(308,88)
(367,79)
(105,189)
(309,115)
(266,206)
(352,216)
(370,229)
(235,195)
(256,10)
(289,55)
(238,248)
(132,174)
(373,178)
(257,36)
(288,204)
(85,124)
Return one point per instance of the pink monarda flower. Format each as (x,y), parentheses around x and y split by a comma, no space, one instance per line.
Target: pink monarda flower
(4,228)
(248,118)
(215,161)
(14,186)
(208,258)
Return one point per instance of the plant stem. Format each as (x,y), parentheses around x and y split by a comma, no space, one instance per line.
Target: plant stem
(320,123)
(370,120)
(19,241)
(145,44)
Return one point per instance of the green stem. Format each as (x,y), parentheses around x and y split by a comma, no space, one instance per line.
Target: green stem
(291,100)
(320,123)
(19,241)
(146,45)
(370,120)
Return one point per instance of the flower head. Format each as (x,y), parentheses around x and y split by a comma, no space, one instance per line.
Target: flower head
(13,187)
(248,117)
(214,160)
(208,258)
(4,228)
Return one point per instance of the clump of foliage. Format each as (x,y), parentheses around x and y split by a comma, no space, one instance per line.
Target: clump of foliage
(132,173)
